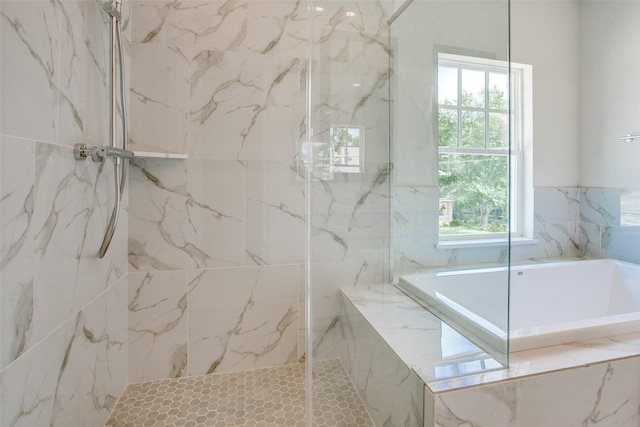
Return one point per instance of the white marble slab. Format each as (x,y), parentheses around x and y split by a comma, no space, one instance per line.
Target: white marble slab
(417,337)
(157,325)
(242,318)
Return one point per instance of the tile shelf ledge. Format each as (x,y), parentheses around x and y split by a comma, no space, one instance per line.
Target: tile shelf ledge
(159,155)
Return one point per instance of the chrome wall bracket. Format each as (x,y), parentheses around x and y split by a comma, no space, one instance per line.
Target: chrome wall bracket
(98,153)
(629,138)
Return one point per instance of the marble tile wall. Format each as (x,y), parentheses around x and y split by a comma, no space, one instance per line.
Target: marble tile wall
(217,242)
(601,394)
(63,339)
(557,228)
(392,393)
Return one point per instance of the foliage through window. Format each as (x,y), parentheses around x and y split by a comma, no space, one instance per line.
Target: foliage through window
(474,147)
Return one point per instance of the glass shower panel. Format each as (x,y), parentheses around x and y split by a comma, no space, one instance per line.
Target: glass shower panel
(450,181)
(346,160)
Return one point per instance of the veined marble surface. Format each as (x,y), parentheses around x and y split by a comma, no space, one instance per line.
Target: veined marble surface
(417,337)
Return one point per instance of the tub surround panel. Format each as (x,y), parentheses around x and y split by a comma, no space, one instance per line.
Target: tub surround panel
(328,278)
(251,324)
(557,205)
(392,392)
(621,243)
(157,325)
(556,227)
(605,393)
(600,206)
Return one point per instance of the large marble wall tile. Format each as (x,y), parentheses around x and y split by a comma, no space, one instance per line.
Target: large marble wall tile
(350,216)
(327,279)
(621,243)
(71,208)
(553,205)
(590,241)
(157,325)
(94,372)
(600,206)
(242,318)
(159,99)
(392,392)
(262,27)
(602,394)
(28,387)
(630,207)
(605,394)
(17,181)
(275,207)
(71,95)
(243,106)
(75,375)
(220,25)
(96,102)
(492,406)
(278,27)
(31,37)
(187,214)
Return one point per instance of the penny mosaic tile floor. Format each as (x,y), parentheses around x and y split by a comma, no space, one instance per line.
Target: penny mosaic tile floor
(259,398)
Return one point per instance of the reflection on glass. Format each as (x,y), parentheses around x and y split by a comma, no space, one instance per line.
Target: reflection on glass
(472,129)
(498,91)
(473,88)
(498,130)
(346,148)
(447,128)
(447,86)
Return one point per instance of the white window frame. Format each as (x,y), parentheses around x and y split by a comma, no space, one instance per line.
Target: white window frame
(521,191)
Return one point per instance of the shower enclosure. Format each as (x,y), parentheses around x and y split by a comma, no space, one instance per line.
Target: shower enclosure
(408,109)
(414,156)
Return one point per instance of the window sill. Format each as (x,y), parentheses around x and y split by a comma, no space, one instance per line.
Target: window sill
(484,243)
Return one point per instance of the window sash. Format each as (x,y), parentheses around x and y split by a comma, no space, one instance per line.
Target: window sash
(514,147)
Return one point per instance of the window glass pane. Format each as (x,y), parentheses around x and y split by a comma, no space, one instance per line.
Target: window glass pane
(473,88)
(473,193)
(498,91)
(447,86)
(472,129)
(447,127)
(498,130)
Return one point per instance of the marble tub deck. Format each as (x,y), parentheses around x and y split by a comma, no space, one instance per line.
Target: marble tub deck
(424,343)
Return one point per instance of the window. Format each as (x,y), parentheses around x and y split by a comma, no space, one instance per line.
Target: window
(474,174)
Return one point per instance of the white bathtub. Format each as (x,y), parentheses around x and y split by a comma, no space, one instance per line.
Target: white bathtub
(550,303)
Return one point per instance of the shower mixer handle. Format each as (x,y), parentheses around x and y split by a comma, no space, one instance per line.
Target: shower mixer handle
(81,151)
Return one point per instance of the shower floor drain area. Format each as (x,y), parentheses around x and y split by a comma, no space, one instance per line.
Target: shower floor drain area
(260,398)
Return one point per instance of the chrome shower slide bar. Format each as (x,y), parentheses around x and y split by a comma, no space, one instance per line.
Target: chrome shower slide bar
(100,153)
